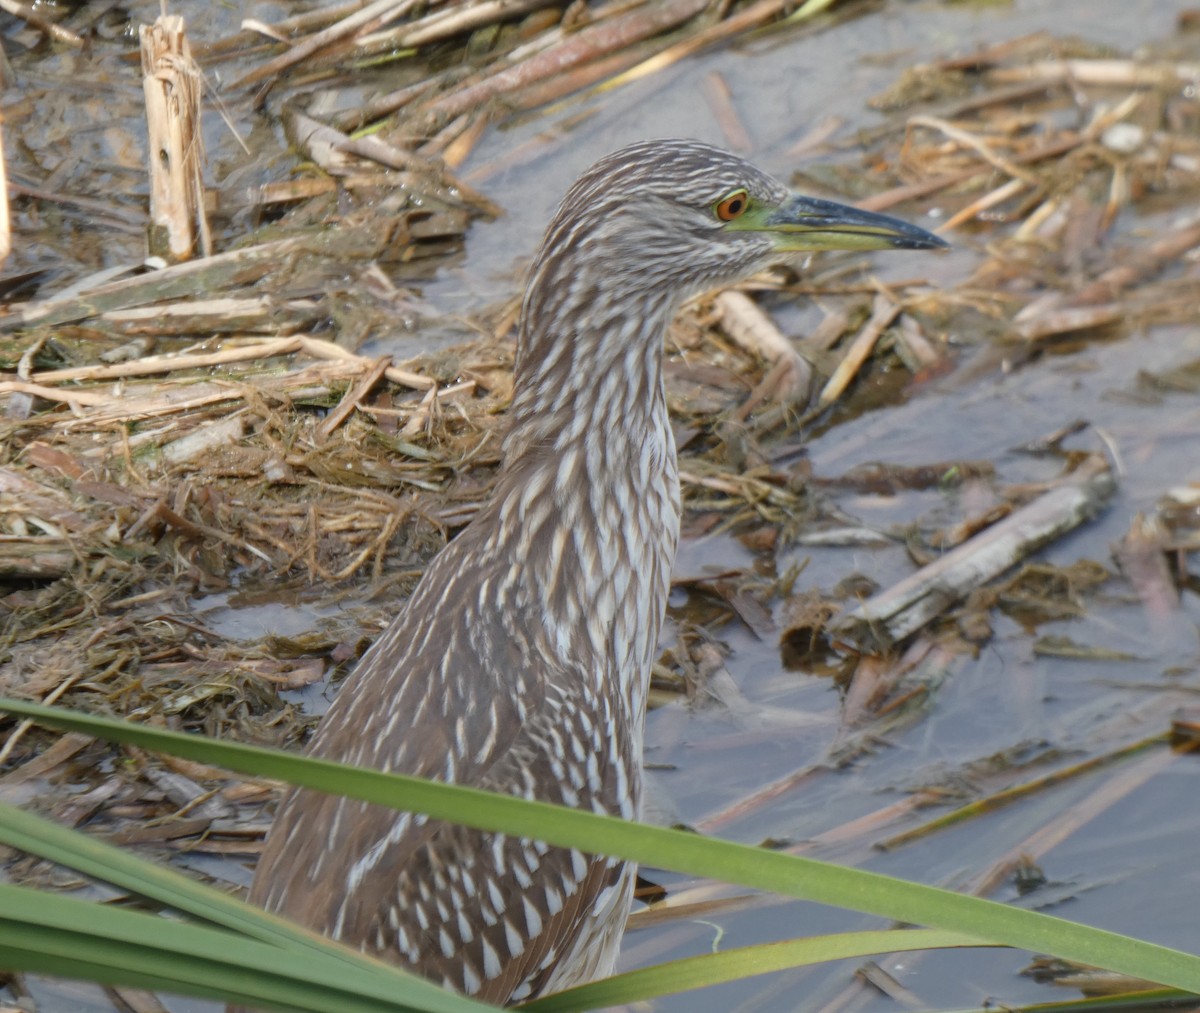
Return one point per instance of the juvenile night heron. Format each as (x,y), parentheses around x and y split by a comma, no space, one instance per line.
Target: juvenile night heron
(521,662)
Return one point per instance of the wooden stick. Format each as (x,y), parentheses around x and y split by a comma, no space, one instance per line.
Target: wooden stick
(68,396)
(744,321)
(320,349)
(449,21)
(352,397)
(976,144)
(152,364)
(194,278)
(172,84)
(599,38)
(886,310)
(882,621)
(26,13)
(1102,72)
(5,220)
(379,12)
(989,200)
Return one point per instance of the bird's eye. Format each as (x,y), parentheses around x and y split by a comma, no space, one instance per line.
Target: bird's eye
(732,206)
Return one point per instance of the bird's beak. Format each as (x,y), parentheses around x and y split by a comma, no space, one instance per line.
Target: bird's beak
(808,224)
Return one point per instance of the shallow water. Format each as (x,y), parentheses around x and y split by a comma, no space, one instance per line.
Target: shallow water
(1130,866)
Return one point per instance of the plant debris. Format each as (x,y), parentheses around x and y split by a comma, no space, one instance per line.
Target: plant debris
(210,431)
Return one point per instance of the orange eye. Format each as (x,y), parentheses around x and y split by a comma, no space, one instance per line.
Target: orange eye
(732,206)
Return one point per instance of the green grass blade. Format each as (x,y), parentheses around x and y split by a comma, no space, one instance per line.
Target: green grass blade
(734,965)
(83,853)
(1155,1000)
(52,934)
(93,857)
(805,878)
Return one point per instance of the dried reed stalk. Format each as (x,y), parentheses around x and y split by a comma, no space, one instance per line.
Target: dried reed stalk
(172,84)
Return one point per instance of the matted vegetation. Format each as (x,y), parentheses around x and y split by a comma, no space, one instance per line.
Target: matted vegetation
(211,428)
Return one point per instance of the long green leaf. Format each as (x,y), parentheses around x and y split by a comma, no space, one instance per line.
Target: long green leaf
(744,962)
(54,934)
(1150,1000)
(95,858)
(28,832)
(805,878)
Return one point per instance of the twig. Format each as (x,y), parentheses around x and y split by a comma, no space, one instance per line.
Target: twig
(429,403)
(71,397)
(601,38)
(976,144)
(1102,72)
(446,23)
(320,349)
(199,442)
(1163,251)
(28,14)
(379,12)
(740,21)
(48,699)
(5,220)
(1001,798)
(59,751)
(152,364)
(753,330)
(1123,783)
(1092,305)
(720,101)
(352,397)
(1050,322)
(886,310)
(323,142)
(194,278)
(989,200)
(888,617)
(912,191)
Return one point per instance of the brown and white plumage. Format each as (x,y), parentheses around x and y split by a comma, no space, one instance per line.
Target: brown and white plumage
(521,662)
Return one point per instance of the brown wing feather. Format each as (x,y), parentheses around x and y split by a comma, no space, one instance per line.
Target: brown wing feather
(498,959)
(468,909)
(388,715)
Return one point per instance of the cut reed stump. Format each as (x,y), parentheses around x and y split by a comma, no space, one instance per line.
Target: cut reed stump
(172,84)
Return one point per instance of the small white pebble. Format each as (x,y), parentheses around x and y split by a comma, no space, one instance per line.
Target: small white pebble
(1123,138)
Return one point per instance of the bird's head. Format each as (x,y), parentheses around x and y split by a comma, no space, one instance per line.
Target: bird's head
(645,228)
(682,216)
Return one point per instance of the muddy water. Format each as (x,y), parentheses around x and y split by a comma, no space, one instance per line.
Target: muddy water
(781,85)
(1132,867)
(1122,869)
